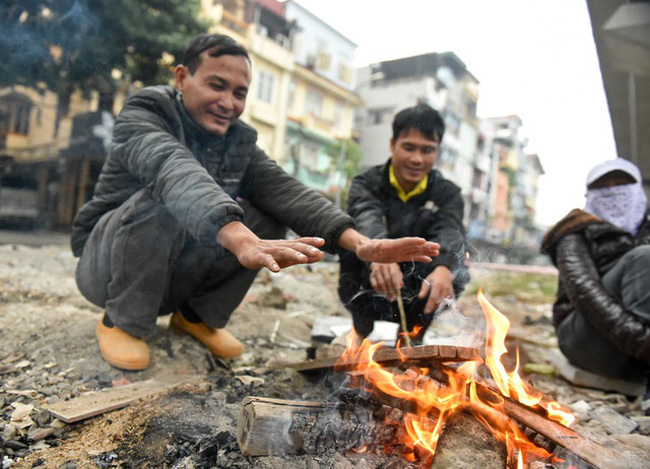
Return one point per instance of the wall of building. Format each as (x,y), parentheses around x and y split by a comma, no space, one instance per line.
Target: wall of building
(318,46)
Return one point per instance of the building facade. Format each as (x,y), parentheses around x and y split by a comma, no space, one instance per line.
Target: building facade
(320,109)
(301,100)
(508,217)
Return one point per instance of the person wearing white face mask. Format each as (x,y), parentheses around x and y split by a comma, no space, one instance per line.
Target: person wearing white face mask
(602,311)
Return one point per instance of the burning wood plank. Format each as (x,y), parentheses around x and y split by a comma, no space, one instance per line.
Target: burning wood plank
(588,451)
(390,356)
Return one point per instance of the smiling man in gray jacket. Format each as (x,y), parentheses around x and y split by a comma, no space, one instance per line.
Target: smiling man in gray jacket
(187,209)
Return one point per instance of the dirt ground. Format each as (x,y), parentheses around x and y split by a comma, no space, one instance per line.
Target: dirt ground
(48,353)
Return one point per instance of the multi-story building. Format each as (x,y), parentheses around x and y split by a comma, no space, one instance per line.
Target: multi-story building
(482,199)
(302,99)
(33,131)
(509,215)
(260,26)
(320,108)
(438,79)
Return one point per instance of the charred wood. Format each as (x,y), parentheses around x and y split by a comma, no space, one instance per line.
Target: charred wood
(276,426)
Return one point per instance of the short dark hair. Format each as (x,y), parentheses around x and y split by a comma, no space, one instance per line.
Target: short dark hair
(216,45)
(422,117)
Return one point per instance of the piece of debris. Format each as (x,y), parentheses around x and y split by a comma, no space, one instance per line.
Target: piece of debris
(252,381)
(96,403)
(615,423)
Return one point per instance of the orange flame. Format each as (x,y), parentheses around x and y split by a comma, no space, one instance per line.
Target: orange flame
(434,403)
(511,384)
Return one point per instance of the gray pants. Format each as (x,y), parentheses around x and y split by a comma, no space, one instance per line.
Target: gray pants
(139,263)
(629,283)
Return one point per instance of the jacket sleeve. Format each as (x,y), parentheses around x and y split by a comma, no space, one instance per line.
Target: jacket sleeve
(292,203)
(585,291)
(146,146)
(447,229)
(366,208)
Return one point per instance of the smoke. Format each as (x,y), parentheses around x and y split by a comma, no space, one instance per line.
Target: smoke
(76,24)
(37,39)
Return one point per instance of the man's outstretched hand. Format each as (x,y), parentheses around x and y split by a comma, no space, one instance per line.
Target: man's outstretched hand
(389,251)
(274,254)
(255,253)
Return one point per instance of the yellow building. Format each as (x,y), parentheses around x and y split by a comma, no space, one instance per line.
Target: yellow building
(320,113)
(299,108)
(32,134)
(272,66)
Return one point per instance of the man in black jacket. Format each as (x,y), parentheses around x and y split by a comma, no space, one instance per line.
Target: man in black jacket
(187,209)
(406,197)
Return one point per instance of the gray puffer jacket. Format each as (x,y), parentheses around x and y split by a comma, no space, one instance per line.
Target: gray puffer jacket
(198,176)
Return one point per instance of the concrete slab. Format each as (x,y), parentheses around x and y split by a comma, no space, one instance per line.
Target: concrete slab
(580,377)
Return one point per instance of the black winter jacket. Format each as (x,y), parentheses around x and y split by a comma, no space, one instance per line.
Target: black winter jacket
(584,248)
(436,214)
(152,147)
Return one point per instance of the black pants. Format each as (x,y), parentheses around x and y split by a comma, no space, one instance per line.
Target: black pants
(139,263)
(367,306)
(629,283)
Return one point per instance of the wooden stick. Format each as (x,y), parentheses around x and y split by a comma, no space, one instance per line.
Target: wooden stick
(402,318)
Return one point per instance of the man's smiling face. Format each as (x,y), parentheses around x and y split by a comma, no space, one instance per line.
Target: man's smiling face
(413,157)
(215,95)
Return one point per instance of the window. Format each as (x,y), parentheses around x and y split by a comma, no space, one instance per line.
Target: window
(15,113)
(452,123)
(309,155)
(345,73)
(314,103)
(380,116)
(265,85)
(323,58)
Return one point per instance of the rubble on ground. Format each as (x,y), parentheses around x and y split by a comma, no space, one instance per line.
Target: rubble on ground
(48,354)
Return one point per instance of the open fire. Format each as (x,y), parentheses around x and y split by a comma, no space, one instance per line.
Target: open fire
(466,390)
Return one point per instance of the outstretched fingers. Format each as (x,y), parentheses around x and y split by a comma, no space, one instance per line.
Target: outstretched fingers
(291,252)
(398,250)
(417,247)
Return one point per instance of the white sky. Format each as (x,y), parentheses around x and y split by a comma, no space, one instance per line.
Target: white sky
(533,58)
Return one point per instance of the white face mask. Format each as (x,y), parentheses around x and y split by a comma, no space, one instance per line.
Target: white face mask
(622,206)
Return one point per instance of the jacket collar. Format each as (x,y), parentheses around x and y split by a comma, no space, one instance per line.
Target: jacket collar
(239,131)
(576,220)
(389,189)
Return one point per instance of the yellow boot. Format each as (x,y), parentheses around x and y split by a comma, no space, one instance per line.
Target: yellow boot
(122,350)
(220,342)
